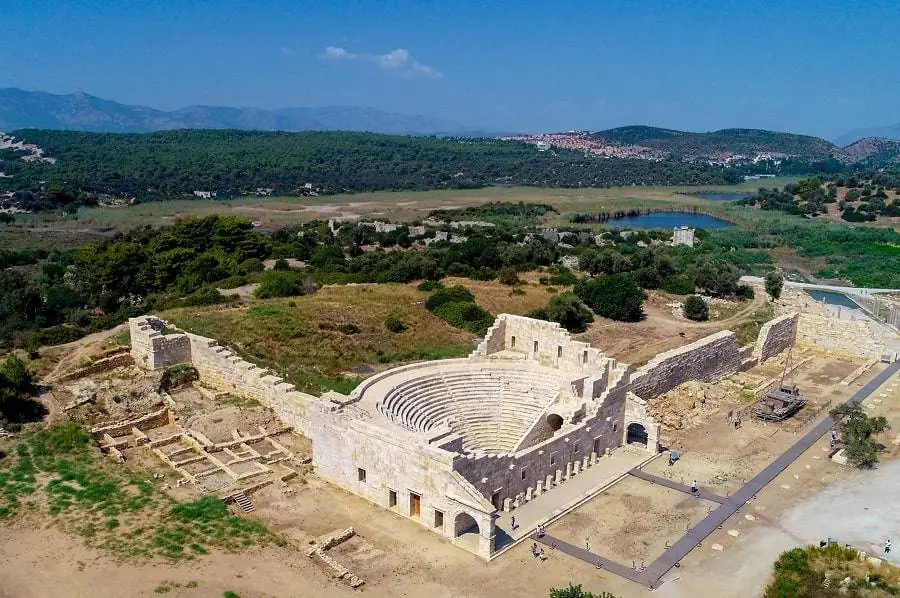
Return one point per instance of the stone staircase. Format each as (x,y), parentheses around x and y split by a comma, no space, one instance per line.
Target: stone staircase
(243,501)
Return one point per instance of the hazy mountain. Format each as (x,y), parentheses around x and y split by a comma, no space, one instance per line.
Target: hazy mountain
(681,144)
(876,151)
(887,132)
(21,109)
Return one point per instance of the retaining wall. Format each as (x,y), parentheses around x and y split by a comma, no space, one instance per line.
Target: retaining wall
(148,421)
(775,336)
(106,364)
(706,360)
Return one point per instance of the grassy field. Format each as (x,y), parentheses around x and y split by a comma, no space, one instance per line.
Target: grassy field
(329,340)
(56,475)
(47,230)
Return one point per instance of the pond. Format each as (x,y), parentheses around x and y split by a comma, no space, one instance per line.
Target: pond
(668,220)
(833,299)
(721,196)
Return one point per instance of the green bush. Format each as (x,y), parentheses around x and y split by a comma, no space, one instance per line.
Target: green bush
(456,306)
(695,309)
(561,276)
(616,297)
(744,291)
(430,285)
(678,285)
(567,310)
(394,324)
(774,283)
(206,295)
(58,335)
(284,284)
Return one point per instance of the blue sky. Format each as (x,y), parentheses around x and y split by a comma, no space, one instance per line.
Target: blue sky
(818,67)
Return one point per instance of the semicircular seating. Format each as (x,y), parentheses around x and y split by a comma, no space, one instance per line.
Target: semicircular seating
(491,408)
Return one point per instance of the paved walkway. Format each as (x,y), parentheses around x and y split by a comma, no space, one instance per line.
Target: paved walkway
(655,479)
(564,497)
(653,573)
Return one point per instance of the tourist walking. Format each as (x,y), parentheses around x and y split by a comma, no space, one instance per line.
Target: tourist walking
(534,549)
(694,487)
(587,544)
(512,522)
(887,546)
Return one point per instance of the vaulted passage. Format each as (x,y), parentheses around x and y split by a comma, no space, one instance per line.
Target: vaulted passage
(465,524)
(636,434)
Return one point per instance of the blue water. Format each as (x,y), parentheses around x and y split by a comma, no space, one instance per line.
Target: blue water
(668,220)
(715,196)
(834,299)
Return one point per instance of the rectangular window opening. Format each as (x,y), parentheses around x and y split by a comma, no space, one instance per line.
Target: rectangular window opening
(392,499)
(584,357)
(512,343)
(523,473)
(438,518)
(558,352)
(360,474)
(535,346)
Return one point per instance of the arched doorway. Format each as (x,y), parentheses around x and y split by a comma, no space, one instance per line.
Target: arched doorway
(554,421)
(465,524)
(636,434)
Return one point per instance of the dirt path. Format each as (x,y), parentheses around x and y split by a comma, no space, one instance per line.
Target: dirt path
(77,350)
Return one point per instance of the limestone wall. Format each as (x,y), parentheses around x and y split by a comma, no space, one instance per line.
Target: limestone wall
(153,349)
(555,346)
(839,333)
(707,359)
(148,421)
(510,476)
(219,368)
(359,457)
(775,336)
(106,364)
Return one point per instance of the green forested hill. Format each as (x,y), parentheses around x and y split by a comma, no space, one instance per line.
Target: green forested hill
(171,163)
(743,141)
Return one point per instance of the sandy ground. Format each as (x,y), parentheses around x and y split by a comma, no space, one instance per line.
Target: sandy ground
(632,521)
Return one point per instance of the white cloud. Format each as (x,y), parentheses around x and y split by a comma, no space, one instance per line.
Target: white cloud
(398,61)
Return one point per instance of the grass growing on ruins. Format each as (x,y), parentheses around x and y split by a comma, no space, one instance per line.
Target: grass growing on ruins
(820,571)
(56,473)
(748,330)
(320,342)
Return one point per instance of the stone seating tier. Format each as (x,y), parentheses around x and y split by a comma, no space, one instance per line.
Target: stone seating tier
(490,408)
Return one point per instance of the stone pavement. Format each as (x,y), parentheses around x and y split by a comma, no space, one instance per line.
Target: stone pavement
(563,498)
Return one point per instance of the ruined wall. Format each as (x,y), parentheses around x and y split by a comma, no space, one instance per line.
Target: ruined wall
(513,474)
(707,359)
(221,369)
(148,421)
(107,364)
(555,346)
(775,336)
(637,412)
(153,349)
(839,333)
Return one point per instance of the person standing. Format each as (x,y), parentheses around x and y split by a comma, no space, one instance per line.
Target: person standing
(694,487)
(887,546)
(512,522)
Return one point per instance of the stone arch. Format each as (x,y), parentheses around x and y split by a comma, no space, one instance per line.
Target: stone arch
(555,421)
(636,433)
(464,523)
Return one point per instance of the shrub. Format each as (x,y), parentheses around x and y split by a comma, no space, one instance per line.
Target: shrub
(250,266)
(745,291)
(483,274)
(394,324)
(678,285)
(696,309)
(349,329)
(567,310)
(282,265)
(508,276)
(207,295)
(456,306)
(717,277)
(58,335)
(430,285)
(616,297)
(562,276)
(774,284)
(284,284)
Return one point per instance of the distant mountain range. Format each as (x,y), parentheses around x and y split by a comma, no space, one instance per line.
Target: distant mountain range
(886,132)
(20,109)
